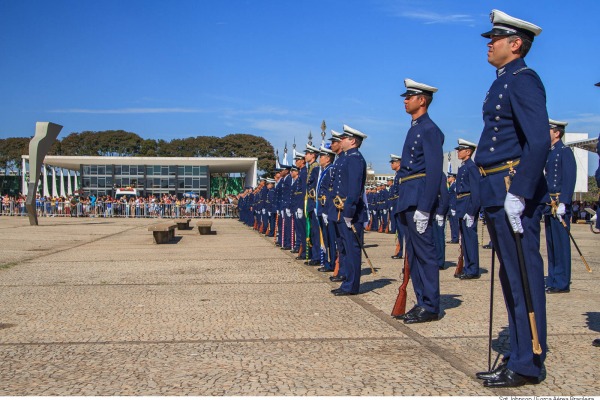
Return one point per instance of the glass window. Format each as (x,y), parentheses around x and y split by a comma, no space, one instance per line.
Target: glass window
(93,169)
(133,170)
(181,184)
(94,181)
(172,169)
(180,170)
(150,170)
(109,170)
(171,182)
(101,182)
(109,181)
(196,184)
(118,182)
(188,170)
(86,182)
(125,169)
(164,170)
(101,170)
(140,182)
(164,183)
(156,182)
(125,181)
(117,170)
(157,170)
(86,169)
(188,183)
(196,171)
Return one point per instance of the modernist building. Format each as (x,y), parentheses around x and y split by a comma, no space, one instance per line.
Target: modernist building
(149,175)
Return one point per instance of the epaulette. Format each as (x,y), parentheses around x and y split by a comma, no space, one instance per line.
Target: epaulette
(520,70)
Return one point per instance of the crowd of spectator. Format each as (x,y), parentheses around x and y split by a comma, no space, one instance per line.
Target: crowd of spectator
(165,206)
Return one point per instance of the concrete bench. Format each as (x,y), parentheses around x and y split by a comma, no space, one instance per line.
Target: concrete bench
(204,227)
(163,232)
(183,223)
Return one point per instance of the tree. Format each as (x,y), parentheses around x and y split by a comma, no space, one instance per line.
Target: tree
(11,150)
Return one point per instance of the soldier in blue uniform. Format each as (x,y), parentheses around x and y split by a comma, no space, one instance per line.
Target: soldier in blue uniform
(297,207)
(452,208)
(561,174)
(439,226)
(264,218)
(312,222)
(349,201)
(384,195)
(278,217)
(468,204)
(511,154)
(419,187)
(286,212)
(395,162)
(329,210)
(270,207)
(326,230)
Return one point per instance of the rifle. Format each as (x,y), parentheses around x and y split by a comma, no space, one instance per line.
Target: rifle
(461,259)
(380,219)
(275,228)
(336,269)
(400,304)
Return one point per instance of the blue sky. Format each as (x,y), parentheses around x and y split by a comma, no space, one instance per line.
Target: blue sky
(174,69)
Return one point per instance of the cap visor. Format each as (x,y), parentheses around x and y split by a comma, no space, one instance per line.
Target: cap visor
(497,32)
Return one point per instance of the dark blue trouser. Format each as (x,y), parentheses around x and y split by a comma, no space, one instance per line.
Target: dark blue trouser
(470,247)
(453,227)
(329,237)
(375,217)
(271,224)
(522,360)
(393,223)
(350,255)
(300,232)
(401,233)
(559,252)
(286,225)
(439,239)
(315,237)
(423,262)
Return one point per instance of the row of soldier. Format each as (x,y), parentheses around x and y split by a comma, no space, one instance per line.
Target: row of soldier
(521,174)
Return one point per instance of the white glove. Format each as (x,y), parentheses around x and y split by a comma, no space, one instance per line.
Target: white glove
(514,206)
(282,213)
(469,220)
(391,209)
(594,217)
(269,213)
(348,222)
(561,211)
(421,218)
(263,211)
(453,212)
(325,221)
(288,212)
(384,212)
(299,213)
(440,219)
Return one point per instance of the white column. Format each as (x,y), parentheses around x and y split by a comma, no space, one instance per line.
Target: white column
(75,183)
(25,184)
(54,188)
(46,192)
(69,187)
(62,183)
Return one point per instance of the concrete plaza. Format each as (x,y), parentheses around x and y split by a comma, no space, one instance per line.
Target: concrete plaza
(93,307)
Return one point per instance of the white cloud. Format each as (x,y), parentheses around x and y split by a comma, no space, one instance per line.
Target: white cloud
(129,111)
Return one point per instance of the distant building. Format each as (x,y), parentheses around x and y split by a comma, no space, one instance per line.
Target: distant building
(149,175)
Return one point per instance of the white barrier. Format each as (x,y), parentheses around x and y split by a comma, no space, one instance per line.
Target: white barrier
(121,210)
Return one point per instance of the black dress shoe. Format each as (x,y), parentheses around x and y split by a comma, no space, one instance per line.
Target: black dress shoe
(337,278)
(486,246)
(452,242)
(300,258)
(468,276)
(396,257)
(314,262)
(285,248)
(509,378)
(553,290)
(409,313)
(334,291)
(493,374)
(343,293)
(324,269)
(596,342)
(294,251)
(421,315)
